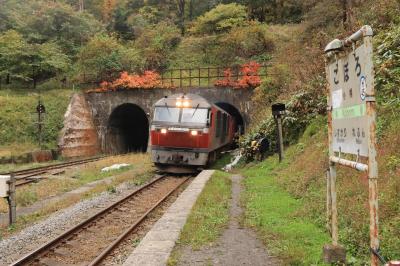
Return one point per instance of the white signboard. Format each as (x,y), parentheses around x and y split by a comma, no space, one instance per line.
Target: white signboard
(350,76)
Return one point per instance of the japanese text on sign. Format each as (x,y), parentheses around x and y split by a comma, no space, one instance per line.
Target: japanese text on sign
(349,77)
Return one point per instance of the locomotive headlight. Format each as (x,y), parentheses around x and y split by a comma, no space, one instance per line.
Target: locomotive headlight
(163,131)
(194,132)
(178,103)
(185,104)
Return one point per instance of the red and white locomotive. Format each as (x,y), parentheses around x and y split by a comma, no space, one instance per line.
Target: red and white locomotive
(188,132)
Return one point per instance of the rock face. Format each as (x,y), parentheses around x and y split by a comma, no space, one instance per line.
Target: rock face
(78,137)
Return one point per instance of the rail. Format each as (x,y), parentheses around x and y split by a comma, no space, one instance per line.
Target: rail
(24,177)
(96,220)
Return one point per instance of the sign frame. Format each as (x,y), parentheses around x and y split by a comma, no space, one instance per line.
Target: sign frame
(335,49)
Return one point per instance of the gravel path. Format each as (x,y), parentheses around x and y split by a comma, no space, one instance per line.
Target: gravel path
(237,245)
(32,237)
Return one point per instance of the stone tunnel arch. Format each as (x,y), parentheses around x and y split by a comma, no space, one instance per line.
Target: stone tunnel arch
(233,111)
(127,130)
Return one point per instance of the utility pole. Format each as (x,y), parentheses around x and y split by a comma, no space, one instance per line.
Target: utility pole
(278,110)
(12,204)
(34,76)
(40,110)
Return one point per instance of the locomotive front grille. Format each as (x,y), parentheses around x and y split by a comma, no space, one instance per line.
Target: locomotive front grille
(179,157)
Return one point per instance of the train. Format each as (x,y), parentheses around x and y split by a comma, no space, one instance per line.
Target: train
(188,133)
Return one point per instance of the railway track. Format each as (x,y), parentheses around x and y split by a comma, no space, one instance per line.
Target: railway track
(26,176)
(90,242)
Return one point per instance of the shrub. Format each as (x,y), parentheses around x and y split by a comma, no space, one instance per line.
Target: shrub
(282,11)
(388,62)
(379,14)
(220,19)
(100,58)
(278,77)
(202,51)
(249,77)
(243,43)
(103,58)
(148,80)
(300,110)
(323,14)
(156,44)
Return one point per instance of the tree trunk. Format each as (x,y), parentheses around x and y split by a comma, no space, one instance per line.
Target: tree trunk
(81,5)
(191,9)
(181,14)
(347,14)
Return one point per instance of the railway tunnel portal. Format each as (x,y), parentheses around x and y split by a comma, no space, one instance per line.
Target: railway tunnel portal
(121,119)
(127,130)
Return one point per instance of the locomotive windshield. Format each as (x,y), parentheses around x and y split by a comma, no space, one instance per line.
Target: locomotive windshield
(194,115)
(173,115)
(166,114)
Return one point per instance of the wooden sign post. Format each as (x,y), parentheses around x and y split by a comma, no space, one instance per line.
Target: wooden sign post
(351,127)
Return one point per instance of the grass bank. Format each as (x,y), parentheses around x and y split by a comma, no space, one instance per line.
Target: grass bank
(274,213)
(286,202)
(18,132)
(209,216)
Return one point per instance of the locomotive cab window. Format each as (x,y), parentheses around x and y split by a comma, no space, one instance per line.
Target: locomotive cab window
(166,114)
(194,115)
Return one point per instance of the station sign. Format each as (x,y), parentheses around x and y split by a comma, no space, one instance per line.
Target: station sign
(350,77)
(351,128)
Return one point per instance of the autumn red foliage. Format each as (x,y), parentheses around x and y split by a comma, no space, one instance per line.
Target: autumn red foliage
(249,77)
(148,80)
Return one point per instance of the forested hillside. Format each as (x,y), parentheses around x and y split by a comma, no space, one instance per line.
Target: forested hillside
(79,44)
(87,40)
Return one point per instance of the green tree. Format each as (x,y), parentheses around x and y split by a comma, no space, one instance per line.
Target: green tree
(13,55)
(275,11)
(103,58)
(143,18)
(242,44)
(48,60)
(23,61)
(120,24)
(100,58)
(220,19)
(54,21)
(156,44)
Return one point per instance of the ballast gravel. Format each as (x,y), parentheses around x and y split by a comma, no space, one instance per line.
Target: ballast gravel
(32,237)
